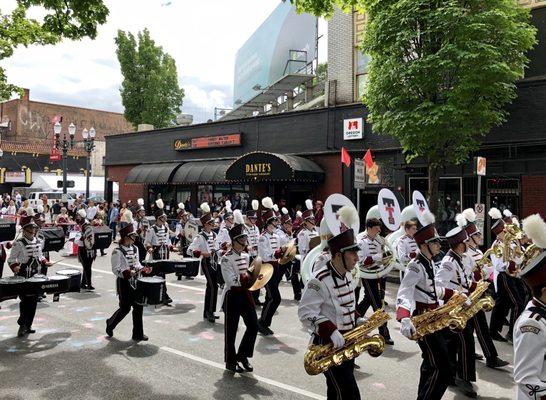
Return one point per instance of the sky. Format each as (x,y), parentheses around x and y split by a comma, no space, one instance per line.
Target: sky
(203,37)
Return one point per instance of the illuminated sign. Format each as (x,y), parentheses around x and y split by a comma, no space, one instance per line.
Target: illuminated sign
(208,142)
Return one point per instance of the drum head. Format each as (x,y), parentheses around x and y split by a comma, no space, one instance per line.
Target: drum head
(68,272)
(37,278)
(58,278)
(151,279)
(189,259)
(9,280)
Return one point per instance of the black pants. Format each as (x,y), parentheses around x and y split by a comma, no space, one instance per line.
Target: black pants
(239,303)
(27,310)
(484,336)
(436,371)
(211,293)
(508,298)
(341,383)
(272,296)
(86,260)
(462,352)
(295,278)
(372,297)
(126,295)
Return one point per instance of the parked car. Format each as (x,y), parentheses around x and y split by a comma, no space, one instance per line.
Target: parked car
(35,198)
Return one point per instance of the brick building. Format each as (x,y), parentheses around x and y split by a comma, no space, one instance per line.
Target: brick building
(26,130)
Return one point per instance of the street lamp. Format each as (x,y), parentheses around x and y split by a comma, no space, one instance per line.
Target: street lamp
(89,144)
(65,145)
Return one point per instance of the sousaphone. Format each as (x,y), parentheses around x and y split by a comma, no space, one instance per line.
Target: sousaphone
(260,274)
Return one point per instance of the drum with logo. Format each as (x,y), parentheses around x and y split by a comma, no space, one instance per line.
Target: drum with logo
(57,284)
(75,278)
(187,267)
(149,290)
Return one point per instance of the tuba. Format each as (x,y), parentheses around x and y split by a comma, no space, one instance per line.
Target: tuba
(320,358)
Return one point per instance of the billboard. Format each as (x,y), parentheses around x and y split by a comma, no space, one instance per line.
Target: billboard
(262,59)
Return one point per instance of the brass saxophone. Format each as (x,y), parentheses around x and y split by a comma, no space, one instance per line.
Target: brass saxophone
(485,261)
(454,314)
(512,233)
(319,358)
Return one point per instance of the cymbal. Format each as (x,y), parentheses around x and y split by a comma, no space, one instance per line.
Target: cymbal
(260,276)
(289,253)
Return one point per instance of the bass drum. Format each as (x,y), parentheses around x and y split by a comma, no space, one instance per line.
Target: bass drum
(306,267)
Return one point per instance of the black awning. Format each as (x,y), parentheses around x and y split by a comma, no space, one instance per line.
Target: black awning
(201,172)
(152,173)
(262,166)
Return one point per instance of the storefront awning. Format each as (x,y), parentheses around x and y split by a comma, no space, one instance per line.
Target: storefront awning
(201,172)
(271,167)
(151,173)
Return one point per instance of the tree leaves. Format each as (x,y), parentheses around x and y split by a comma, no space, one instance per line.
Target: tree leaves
(150,91)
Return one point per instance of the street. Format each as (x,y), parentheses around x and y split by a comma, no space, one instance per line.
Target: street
(69,357)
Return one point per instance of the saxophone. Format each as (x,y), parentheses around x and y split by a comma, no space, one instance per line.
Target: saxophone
(319,358)
(454,314)
(512,233)
(485,261)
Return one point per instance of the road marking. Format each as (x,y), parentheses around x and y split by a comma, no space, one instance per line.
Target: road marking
(111,273)
(271,382)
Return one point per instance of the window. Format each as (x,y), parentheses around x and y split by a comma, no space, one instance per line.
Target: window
(361,73)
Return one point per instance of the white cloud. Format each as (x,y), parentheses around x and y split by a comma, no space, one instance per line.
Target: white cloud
(202,36)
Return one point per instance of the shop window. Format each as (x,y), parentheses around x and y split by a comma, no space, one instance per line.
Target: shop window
(361,73)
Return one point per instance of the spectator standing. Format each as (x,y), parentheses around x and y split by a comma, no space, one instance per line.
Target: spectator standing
(113,217)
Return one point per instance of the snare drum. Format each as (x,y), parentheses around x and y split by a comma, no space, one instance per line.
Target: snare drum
(11,287)
(149,290)
(187,267)
(33,285)
(57,284)
(75,278)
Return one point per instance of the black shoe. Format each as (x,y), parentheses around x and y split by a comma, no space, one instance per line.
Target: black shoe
(466,388)
(264,330)
(142,338)
(22,331)
(189,278)
(245,364)
(44,296)
(497,336)
(389,341)
(30,330)
(234,367)
(478,356)
(297,297)
(90,288)
(109,331)
(82,286)
(167,304)
(496,363)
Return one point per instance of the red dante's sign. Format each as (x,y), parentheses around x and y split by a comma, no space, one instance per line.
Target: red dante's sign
(208,142)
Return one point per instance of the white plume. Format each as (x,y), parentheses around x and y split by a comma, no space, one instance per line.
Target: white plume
(159,203)
(30,211)
(469,214)
(515,222)
(495,213)
(181,206)
(309,204)
(238,217)
(82,213)
(535,227)
(40,208)
(461,220)
(128,215)
(267,202)
(228,205)
(255,205)
(428,218)
(284,210)
(299,214)
(205,208)
(507,213)
(348,215)
(140,202)
(275,208)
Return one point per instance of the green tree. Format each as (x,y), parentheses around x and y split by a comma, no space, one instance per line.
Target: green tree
(150,91)
(71,19)
(441,72)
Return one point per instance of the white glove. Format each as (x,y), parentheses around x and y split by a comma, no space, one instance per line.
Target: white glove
(467,302)
(337,339)
(360,321)
(406,327)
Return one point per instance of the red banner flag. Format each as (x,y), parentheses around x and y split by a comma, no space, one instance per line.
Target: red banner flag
(368,159)
(345,157)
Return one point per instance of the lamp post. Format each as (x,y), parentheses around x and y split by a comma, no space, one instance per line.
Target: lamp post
(89,144)
(65,145)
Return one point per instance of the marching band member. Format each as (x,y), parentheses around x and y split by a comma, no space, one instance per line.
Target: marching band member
(406,248)
(530,328)
(327,308)
(253,236)
(269,251)
(507,294)
(25,260)
(141,225)
(126,266)
(203,246)
(222,239)
(39,220)
(452,274)
(157,243)
(86,253)
(473,255)
(309,230)
(180,233)
(418,287)
(285,234)
(370,254)
(325,256)
(237,300)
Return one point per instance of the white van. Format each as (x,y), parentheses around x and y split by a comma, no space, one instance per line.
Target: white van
(35,198)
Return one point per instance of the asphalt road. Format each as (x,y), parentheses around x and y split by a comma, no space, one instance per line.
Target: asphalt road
(69,356)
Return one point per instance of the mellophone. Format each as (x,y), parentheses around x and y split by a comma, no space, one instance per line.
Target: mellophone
(62,282)
(183,267)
